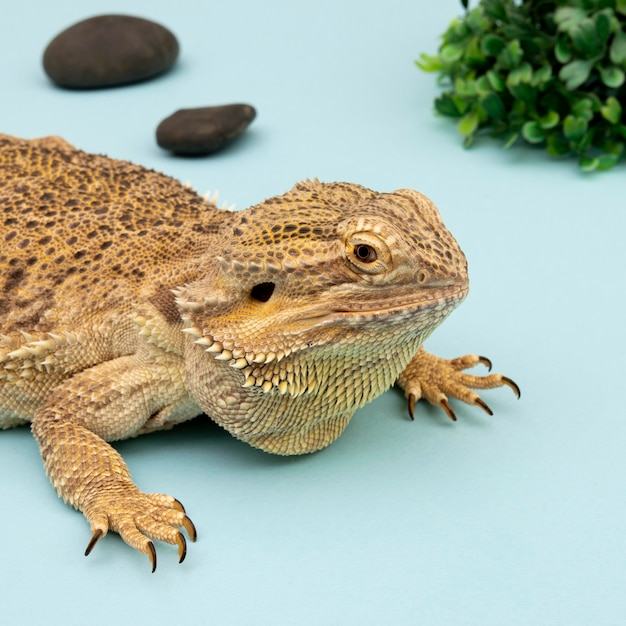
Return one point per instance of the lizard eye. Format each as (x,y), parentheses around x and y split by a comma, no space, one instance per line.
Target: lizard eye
(367,253)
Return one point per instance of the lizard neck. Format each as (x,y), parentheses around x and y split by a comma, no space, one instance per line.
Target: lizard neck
(327,385)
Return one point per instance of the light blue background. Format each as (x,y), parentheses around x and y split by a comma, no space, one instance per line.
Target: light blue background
(515,519)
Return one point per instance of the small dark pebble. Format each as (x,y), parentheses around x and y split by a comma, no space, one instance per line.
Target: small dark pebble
(109,50)
(203,130)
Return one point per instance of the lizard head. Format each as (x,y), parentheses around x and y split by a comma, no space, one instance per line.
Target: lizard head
(326,283)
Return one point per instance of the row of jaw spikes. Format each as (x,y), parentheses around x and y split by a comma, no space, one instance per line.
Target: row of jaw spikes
(197,307)
(227,351)
(282,377)
(222,349)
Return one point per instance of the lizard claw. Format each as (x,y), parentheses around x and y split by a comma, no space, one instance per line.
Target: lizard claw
(513,385)
(483,405)
(190,528)
(445,405)
(97,535)
(486,362)
(412,399)
(182,547)
(152,555)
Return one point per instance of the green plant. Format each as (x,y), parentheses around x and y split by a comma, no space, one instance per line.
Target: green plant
(551,72)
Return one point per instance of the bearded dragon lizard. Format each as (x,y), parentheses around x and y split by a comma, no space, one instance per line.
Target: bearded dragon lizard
(130,304)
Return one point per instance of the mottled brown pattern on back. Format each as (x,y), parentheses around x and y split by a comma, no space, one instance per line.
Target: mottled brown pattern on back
(75,227)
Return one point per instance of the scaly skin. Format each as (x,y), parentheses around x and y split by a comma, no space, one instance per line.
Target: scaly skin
(131,304)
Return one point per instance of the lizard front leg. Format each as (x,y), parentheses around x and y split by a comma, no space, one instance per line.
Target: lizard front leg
(434,379)
(113,400)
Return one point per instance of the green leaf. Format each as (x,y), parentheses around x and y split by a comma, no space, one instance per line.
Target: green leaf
(483,87)
(521,74)
(445,105)
(607,161)
(511,56)
(563,50)
(615,147)
(511,140)
(599,163)
(612,111)
(612,76)
(461,103)
(568,18)
(496,9)
(621,6)
(584,108)
(518,111)
(585,38)
(556,145)
(550,120)
(465,87)
(451,52)
(583,144)
(541,76)
(556,99)
(492,45)
(617,52)
(495,80)
(574,74)
(603,27)
(457,31)
(574,127)
(516,54)
(477,21)
(532,132)
(429,63)
(525,93)
(588,164)
(473,54)
(469,123)
(494,106)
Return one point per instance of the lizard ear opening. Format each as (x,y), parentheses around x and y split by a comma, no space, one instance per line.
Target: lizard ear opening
(262,292)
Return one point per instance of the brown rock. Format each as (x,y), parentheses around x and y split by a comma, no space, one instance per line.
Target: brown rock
(203,130)
(109,50)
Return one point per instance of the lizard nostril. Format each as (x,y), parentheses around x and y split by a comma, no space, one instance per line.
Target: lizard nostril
(422,276)
(263,291)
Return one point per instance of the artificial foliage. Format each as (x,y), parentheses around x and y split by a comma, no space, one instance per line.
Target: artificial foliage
(547,72)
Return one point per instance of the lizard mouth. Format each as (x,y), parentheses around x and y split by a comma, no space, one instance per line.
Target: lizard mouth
(435,298)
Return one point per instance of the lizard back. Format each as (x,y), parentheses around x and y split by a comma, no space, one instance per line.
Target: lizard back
(84,239)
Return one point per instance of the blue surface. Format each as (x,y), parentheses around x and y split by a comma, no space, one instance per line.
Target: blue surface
(515,519)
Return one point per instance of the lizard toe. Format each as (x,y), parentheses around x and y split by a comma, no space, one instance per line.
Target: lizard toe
(139,518)
(469,360)
(436,380)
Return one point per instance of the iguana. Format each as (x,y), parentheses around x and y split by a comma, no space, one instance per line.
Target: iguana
(130,304)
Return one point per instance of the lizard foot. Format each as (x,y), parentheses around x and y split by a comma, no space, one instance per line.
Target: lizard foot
(434,379)
(137,516)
